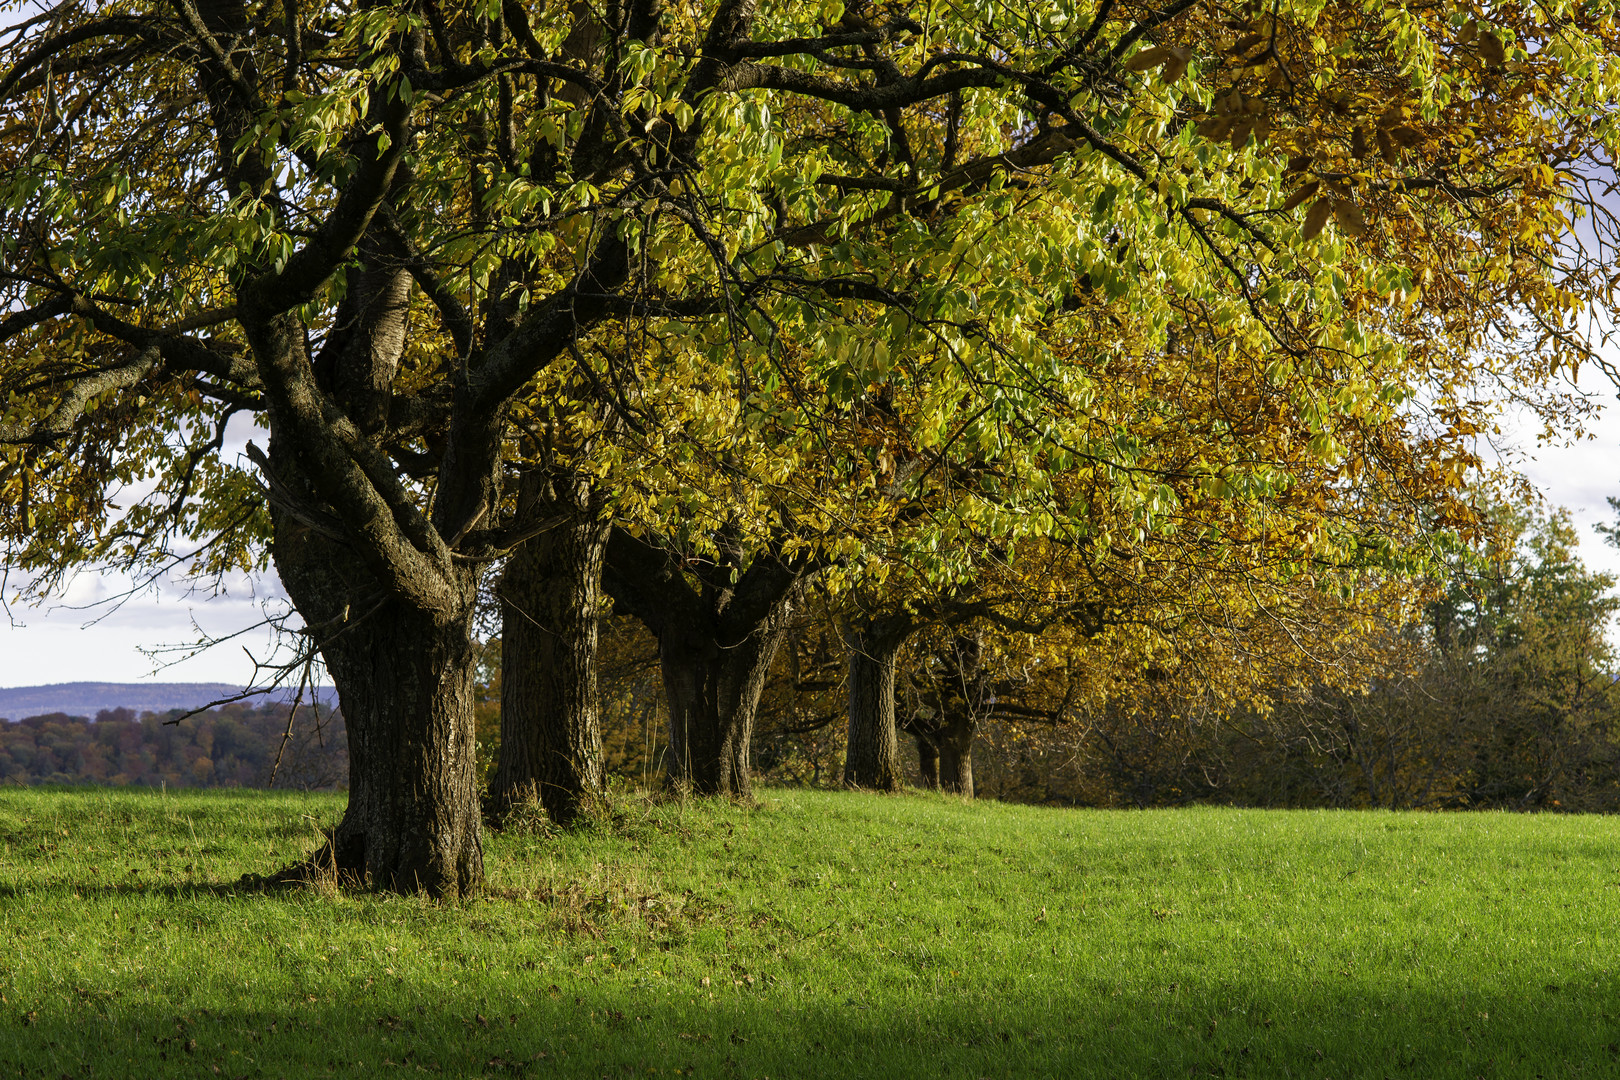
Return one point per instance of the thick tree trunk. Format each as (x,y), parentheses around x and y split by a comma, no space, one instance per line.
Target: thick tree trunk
(405,683)
(956,757)
(872,759)
(551,743)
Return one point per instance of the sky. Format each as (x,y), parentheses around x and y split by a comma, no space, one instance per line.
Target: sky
(1582,476)
(86,635)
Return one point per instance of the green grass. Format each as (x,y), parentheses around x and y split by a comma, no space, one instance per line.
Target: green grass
(824,934)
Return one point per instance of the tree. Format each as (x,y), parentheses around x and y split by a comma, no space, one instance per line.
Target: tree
(551,599)
(954,692)
(378,230)
(1524,628)
(719,622)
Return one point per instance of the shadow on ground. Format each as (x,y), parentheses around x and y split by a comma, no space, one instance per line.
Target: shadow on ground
(535,1027)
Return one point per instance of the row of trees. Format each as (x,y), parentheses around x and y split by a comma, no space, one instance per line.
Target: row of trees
(1149,327)
(1499,693)
(1502,695)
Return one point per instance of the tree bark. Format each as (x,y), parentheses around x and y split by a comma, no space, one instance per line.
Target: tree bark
(389,609)
(405,683)
(872,759)
(713,692)
(954,694)
(551,740)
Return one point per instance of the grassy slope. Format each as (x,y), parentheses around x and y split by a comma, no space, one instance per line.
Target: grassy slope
(838,934)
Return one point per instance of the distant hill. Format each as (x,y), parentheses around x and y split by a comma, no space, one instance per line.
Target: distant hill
(89,698)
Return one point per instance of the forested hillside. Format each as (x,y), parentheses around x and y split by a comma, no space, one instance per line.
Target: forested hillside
(234,746)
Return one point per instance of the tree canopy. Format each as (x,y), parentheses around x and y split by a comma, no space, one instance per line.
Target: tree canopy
(1086,271)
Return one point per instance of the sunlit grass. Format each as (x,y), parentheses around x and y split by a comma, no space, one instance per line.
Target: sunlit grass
(823,934)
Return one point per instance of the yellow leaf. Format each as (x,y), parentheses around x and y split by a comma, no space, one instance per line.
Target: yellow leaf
(1177,65)
(1149,58)
(1316,218)
(1301,194)
(1386,145)
(1348,215)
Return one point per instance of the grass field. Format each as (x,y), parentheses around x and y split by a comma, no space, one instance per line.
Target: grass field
(823,934)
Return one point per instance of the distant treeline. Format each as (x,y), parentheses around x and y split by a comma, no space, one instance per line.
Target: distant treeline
(232,746)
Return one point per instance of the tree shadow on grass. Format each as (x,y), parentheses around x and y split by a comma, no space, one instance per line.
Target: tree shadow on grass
(248,884)
(528,1025)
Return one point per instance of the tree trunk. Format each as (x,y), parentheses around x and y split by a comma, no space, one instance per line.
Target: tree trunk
(872,759)
(956,757)
(718,628)
(551,742)
(713,694)
(928,762)
(405,683)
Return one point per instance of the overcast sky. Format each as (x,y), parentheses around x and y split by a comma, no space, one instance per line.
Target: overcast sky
(84,638)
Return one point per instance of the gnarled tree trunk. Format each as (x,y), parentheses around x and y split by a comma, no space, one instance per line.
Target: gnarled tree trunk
(713,692)
(953,694)
(955,742)
(551,598)
(405,682)
(387,605)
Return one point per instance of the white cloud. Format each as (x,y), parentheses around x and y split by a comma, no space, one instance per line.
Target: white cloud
(97,632)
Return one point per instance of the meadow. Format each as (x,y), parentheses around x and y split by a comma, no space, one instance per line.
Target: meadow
(817,934)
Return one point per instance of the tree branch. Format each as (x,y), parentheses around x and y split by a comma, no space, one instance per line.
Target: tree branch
(78,395)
